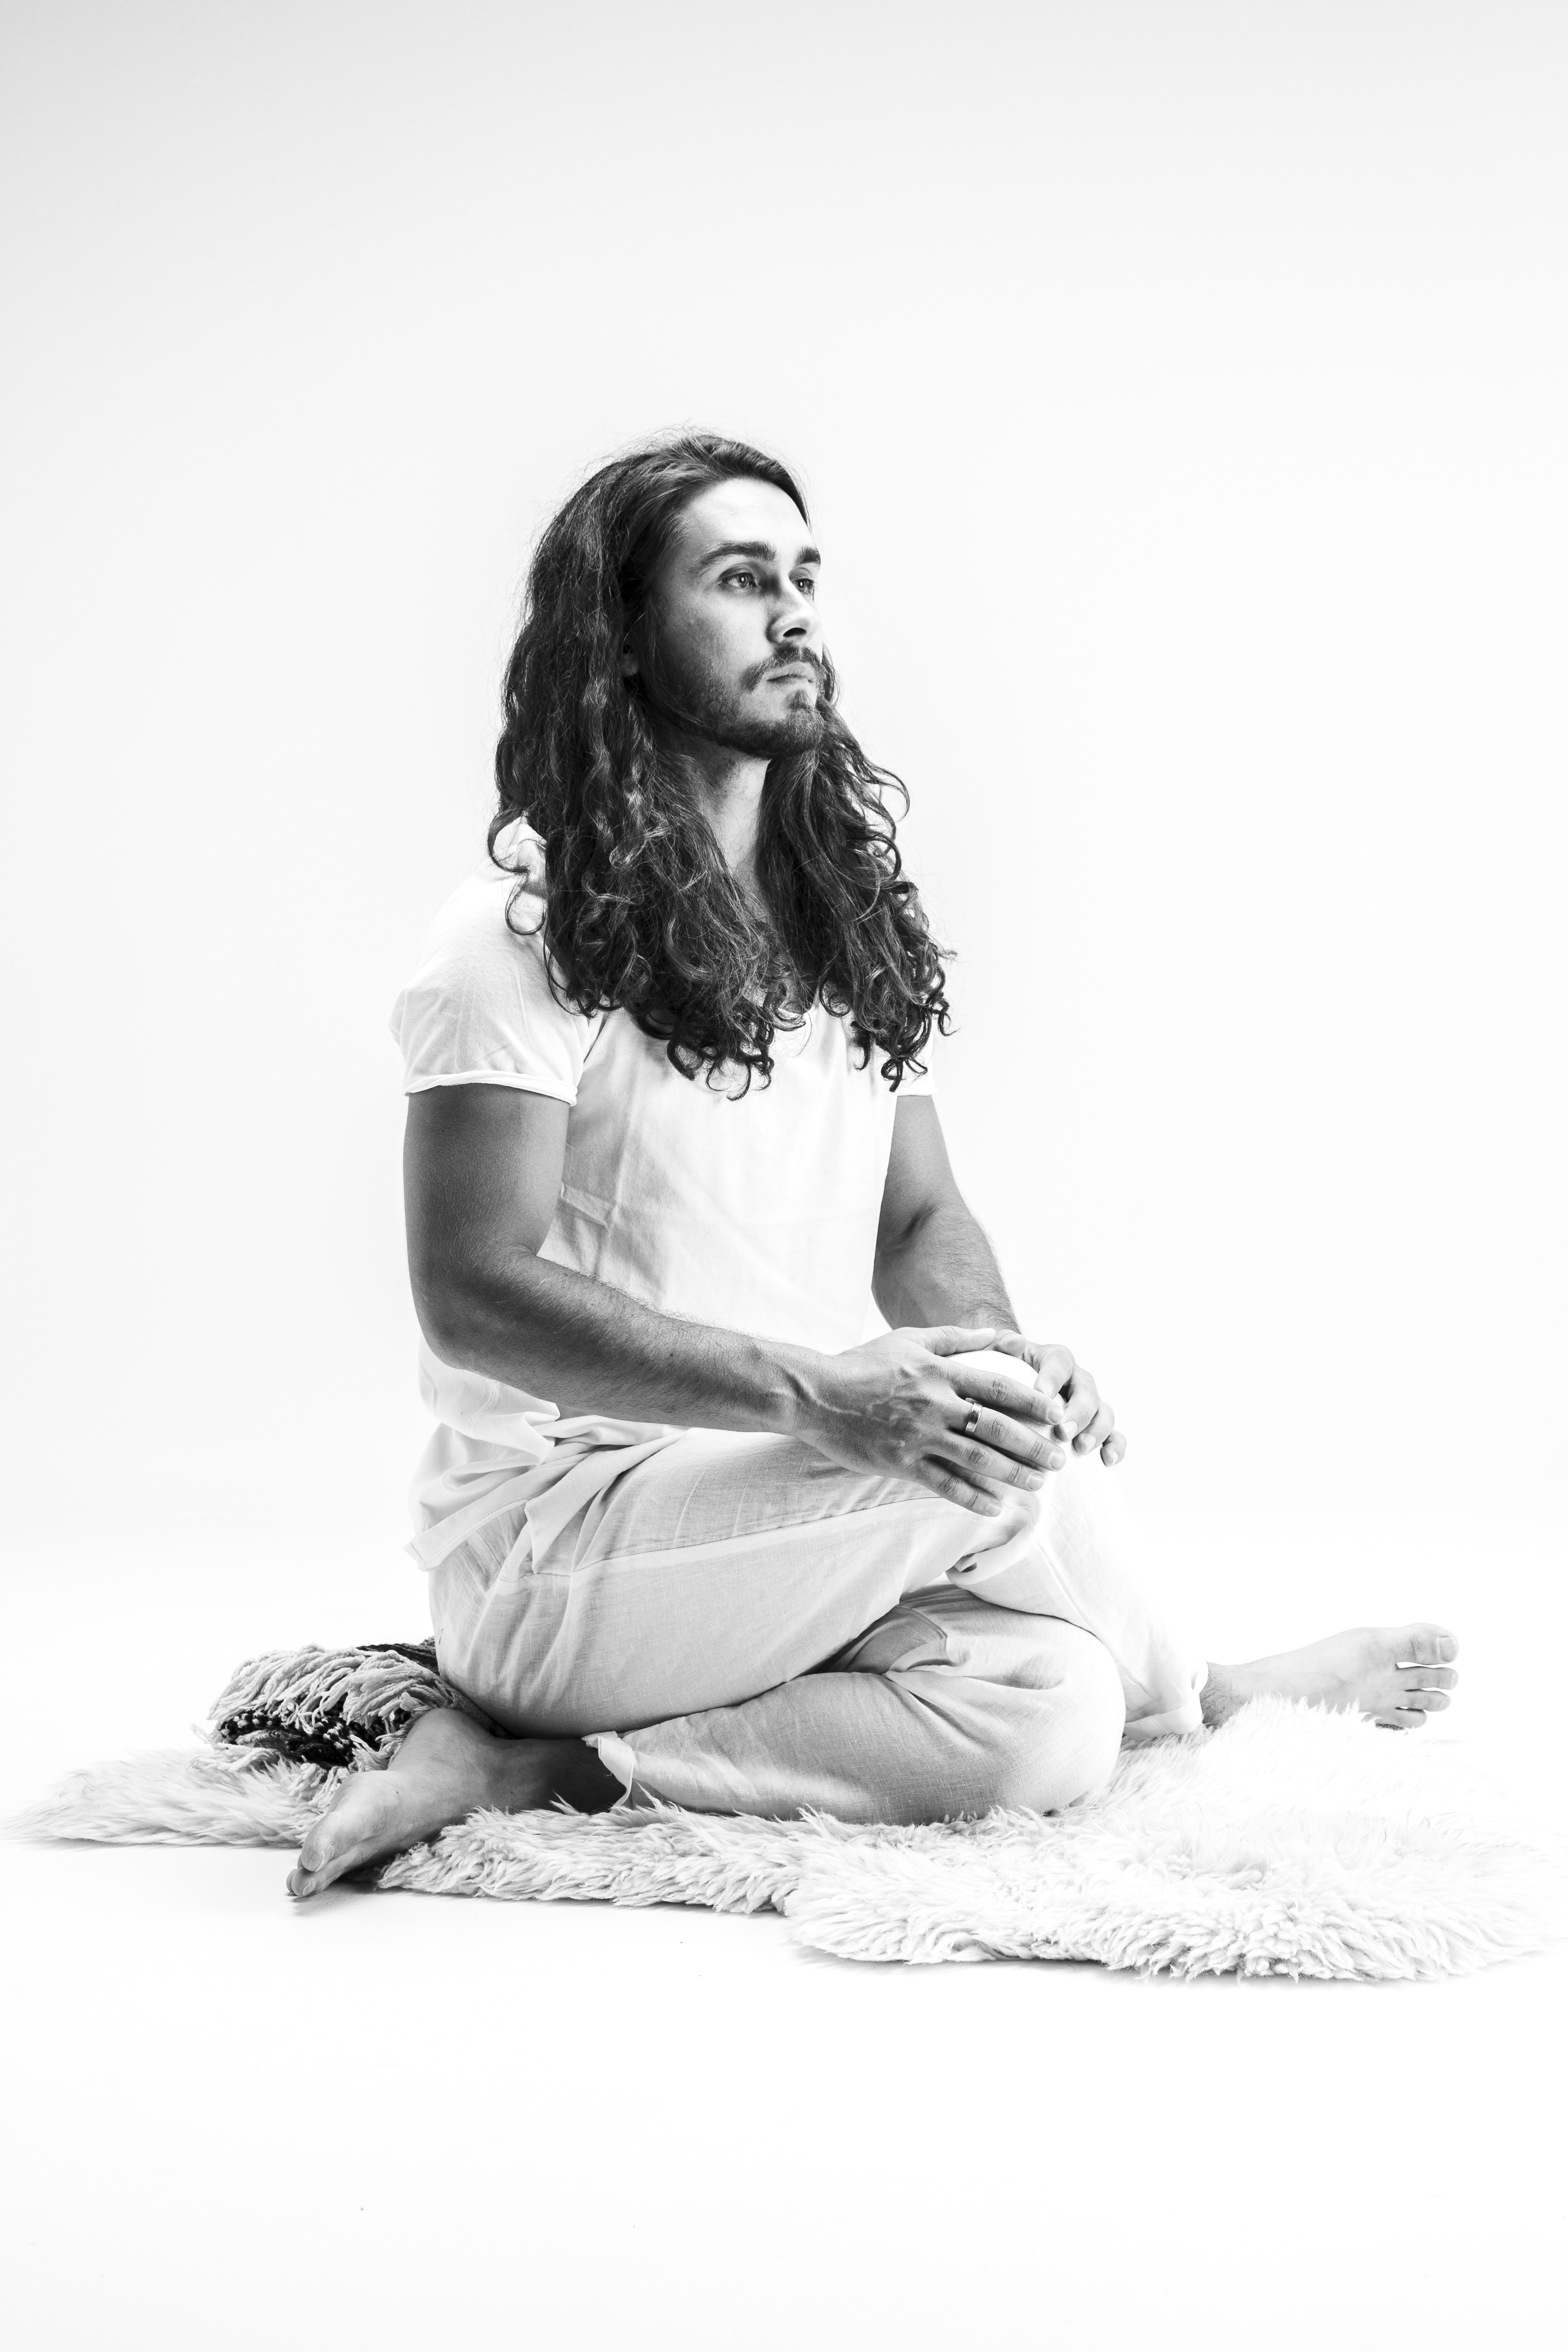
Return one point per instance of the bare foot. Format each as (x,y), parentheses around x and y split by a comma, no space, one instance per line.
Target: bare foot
(445,1768)
(1396,1674)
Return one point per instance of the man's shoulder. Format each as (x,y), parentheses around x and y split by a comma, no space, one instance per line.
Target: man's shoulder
(517,853)
(482,1000)
(496,910)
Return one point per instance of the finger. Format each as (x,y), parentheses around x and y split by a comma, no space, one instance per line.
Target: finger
(952,1339)
(1009,1439)
(1114,1447)
(944,1479)
(1054,1372)
(1004,1392)
(1093,1432)
(1077,1403)
(983,1466)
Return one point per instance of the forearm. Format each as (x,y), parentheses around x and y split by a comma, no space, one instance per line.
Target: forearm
(942,1270)
(555,1333)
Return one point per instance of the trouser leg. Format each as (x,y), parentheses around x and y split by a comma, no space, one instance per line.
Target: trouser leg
(1077,1552)
(697,1590)
(948,1706)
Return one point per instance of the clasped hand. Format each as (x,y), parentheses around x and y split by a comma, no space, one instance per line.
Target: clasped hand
(900,1406)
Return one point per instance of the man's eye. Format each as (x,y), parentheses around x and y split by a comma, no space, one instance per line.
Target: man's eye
(734,579)
(806,585)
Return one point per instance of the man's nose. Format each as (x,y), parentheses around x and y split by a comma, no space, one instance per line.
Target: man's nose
(794,617)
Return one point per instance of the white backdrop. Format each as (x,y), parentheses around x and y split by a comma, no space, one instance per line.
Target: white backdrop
(1180,391)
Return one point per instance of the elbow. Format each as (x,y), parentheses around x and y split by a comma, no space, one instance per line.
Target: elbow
(477,1318)
(451,1315)
(447,1331)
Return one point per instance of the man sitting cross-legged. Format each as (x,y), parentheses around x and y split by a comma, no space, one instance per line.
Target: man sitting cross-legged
(688,1535)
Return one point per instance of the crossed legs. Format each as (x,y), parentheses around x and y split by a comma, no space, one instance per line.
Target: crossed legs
(735,1625)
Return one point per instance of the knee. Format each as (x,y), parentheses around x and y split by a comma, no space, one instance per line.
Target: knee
(1067,1744)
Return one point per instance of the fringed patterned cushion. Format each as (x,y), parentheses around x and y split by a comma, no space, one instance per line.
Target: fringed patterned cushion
(334,1706)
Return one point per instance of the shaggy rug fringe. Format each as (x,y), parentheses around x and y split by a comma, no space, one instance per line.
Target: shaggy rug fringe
(184,1796)
(1291,1843)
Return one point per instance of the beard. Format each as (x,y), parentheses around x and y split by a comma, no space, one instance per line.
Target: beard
(716,711)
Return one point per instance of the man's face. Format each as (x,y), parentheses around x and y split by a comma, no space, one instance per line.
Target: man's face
(734,615)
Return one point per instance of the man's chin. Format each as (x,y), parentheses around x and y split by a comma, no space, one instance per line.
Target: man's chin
(799,729)
(767,739)
(799,726)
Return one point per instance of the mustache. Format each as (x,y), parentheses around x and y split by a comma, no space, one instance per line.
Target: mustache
(776,662)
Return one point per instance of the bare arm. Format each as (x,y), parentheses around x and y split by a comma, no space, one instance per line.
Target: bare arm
(934,1265)
(933,1262)
(482,1169)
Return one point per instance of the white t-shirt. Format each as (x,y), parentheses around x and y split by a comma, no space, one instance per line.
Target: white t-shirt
(757,1212)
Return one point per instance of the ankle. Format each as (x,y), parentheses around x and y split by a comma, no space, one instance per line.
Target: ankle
(580,1777)
(528,1774)
(1222,1693)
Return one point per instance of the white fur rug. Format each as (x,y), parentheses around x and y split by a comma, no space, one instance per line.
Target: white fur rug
(1291,1843)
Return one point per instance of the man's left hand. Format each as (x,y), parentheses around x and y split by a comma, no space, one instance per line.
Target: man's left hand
(1074,1409)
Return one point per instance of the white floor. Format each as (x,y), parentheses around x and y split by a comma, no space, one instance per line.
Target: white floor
(400,2121)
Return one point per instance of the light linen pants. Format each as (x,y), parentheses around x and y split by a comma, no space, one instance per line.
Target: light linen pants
(740,1626)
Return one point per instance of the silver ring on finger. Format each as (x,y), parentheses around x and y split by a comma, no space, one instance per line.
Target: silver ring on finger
(971,1421)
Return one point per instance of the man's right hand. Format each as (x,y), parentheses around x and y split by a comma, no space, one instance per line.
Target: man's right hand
(898,1405)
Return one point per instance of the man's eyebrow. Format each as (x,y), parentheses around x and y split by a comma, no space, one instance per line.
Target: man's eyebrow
(760,550)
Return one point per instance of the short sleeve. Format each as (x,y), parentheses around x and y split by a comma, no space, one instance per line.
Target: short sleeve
(477,1009)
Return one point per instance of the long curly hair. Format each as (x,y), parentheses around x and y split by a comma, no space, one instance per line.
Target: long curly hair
(641,912)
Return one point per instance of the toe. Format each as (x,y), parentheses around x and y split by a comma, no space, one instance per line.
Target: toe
(316,1847)
(353,1831)
(1427,1702)
(331,1846)
(1426,1646)
(1434,1678)
(304,1881)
